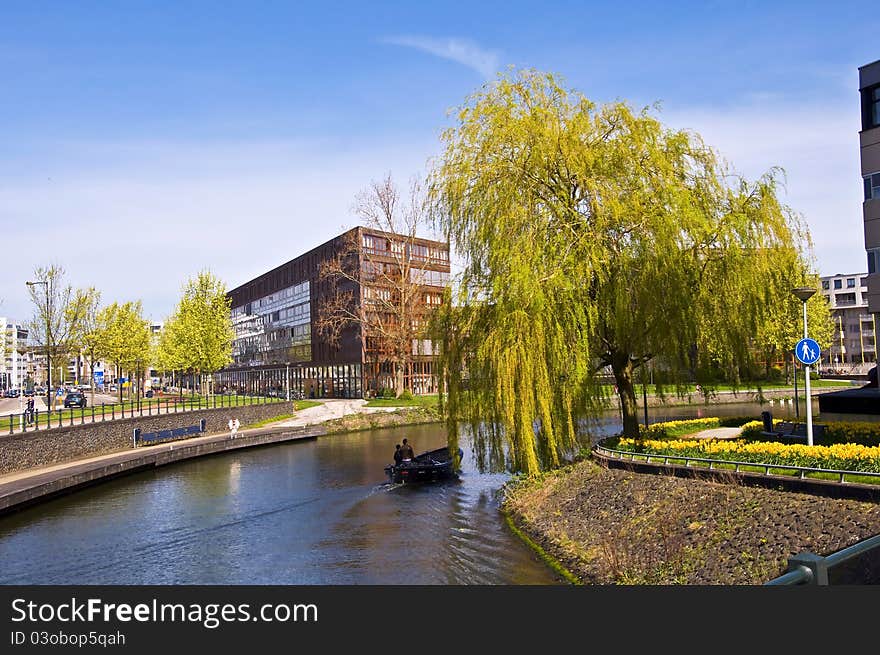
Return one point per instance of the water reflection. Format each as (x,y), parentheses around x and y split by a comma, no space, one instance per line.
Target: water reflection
(315,512)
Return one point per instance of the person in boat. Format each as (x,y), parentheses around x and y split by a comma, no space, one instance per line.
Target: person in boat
(406,452)
(397,456)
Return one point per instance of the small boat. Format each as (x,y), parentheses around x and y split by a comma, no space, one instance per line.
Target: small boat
(428,467)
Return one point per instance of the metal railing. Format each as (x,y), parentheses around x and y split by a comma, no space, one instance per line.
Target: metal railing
(44,420)
(856,564)
(802,471)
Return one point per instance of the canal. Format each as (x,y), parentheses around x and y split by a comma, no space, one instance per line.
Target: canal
(312,512)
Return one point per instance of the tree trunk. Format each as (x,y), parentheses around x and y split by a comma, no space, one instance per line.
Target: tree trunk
(398,377)
(622,367)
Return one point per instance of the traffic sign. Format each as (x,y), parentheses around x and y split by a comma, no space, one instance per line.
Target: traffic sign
(807,351)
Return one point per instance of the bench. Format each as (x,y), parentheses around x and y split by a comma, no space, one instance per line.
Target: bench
(148,438)
(788,431)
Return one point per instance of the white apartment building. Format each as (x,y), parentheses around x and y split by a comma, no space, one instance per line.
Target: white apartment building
(854,347)
(14,357)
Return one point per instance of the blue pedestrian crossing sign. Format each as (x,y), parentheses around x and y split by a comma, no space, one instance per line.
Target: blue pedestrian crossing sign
(807,351)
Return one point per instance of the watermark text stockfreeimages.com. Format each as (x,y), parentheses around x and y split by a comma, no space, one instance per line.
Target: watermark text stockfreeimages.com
(208,615)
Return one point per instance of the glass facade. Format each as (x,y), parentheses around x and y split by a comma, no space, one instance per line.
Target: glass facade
(274,329)
(281,345)
(304,381)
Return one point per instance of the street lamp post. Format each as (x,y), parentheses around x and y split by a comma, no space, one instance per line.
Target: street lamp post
(804,294)
(287,379)
(48,355)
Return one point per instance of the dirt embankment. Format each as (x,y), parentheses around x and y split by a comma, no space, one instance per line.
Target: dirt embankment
(610,526)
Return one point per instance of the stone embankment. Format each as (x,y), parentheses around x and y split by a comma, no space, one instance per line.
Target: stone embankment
(44,464)
(45,447)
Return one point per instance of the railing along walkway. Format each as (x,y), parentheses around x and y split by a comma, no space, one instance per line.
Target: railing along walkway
(43,420)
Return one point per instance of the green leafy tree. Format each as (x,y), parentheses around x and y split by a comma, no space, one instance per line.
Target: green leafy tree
(170,353)
(87,338)
(783,326)
(198,337)
(58,314)
(125,338)
(593,239)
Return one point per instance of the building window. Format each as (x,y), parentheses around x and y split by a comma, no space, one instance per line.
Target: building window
(850,283)
(838,284)
(871,107)
(873,261)
(845,299)
(825,285)
(872,186)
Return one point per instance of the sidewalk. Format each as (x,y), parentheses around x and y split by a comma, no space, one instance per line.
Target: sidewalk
(329,409)
(25,487)
(717,433)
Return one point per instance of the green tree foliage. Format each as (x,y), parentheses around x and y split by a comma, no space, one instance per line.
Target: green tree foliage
(58,314)
(124,338)
(593,238)
(783,324)
(88,335)
(198,337)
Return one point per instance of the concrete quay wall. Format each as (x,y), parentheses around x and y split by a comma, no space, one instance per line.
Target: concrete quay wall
(25,490)
(22,451)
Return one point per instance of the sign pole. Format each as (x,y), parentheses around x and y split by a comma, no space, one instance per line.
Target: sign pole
(809,398)
(809,355)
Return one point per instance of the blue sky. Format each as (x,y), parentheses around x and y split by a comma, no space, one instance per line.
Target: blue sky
(141,142)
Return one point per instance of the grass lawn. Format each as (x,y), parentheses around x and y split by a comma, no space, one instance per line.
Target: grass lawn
(417,401)
(743,388)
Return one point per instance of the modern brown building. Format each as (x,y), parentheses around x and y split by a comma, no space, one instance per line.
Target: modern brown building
(869,141)
(281,341)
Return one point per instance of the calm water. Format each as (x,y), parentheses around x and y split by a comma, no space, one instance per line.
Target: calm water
(315,512)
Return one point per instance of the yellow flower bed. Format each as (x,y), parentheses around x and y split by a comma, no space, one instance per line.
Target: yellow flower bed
(846,457)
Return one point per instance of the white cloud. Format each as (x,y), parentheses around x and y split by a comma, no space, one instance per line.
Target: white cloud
(463,51)
(136,220)
(816,145)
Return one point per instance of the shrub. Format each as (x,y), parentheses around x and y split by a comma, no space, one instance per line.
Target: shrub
(863,433)
(406,394)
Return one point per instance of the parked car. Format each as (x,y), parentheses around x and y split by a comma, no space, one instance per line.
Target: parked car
(75,399)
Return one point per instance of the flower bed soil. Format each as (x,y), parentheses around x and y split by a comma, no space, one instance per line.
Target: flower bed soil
(611,526)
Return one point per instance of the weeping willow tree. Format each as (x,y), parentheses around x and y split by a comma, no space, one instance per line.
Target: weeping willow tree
(592,238)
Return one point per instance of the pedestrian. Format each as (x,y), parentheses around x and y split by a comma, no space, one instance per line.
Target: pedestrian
(406,452)
(233,427)
(397,456)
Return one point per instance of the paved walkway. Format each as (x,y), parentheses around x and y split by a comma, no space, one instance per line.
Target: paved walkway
(717,433)
(26,485)
(329,409)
